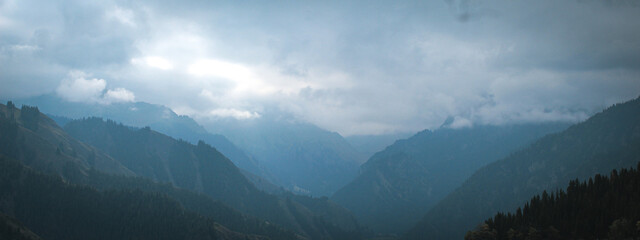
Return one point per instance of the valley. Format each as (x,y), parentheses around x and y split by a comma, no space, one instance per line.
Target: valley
(319,120)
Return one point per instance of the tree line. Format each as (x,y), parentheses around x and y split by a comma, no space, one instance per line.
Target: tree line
(603,207)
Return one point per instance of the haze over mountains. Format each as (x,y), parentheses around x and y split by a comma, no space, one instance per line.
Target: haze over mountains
(163,159)
(406,179)
(371,144)
(140,114)
(609,140)
(297,156)
(302,157)
(328,120)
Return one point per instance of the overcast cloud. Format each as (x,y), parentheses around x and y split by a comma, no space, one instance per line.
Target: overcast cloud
(362,67)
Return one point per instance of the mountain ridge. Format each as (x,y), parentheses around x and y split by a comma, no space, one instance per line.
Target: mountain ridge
(36,140)
(198,168)
(606,141)
(303,158)
(403,181)
(142,114)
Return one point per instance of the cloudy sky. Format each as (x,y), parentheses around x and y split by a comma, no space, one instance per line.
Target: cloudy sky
(355,67)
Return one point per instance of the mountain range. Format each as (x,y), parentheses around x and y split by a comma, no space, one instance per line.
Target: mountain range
(37,141)
(299,157)
(368,145)
(303,157)
(443,182)
(195,167)
(606,141)
(406,179)
(141,114)
(27,136)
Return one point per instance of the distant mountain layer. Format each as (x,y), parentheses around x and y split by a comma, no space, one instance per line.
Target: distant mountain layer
(368,145)
(140,114)
(406,179)
(203,169)
(608,140)
(302,157)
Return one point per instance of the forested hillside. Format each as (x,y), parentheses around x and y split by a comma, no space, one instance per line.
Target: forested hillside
(36,140)
(191,201)
(606,141)
(202,168)
(80,163)
(604,207)
(406,179)
(80,168)
(58,210)
(10,228)
(141,114)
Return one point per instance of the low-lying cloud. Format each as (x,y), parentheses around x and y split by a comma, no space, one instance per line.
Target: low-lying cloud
(119,95)
(80,87)
(77,88)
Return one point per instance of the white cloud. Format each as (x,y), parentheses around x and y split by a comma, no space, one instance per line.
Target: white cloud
(154,62)
(219,68)
(24,47)
(216,113)
(119,95)
(79,87)
(234,113)
(460,122)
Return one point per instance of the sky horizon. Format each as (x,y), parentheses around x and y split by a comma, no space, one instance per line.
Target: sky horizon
(355,68)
